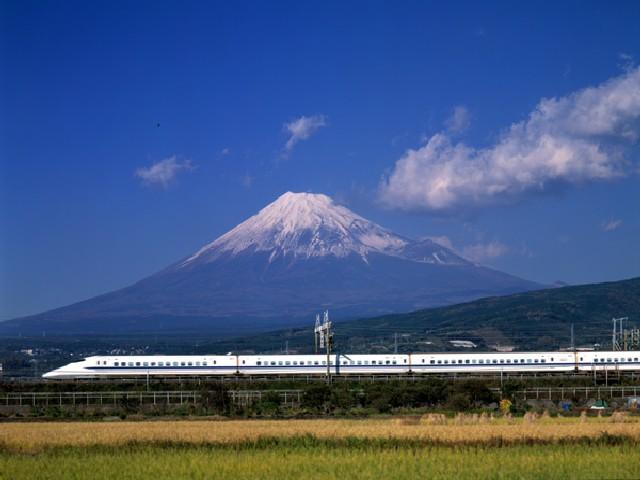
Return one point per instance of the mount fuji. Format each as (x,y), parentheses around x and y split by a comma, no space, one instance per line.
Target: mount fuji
(299,254)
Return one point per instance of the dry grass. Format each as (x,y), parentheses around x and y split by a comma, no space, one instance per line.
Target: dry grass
(432,428)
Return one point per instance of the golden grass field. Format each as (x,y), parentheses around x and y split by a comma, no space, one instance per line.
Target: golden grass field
(32,436)
(432,446)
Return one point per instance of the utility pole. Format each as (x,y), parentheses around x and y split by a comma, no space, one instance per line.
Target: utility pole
(573,345)
(618,333)
(317,332)
(329,342)
(323,339)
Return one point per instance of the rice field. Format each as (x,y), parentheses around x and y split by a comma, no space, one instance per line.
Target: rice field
(431,446)
(433,429)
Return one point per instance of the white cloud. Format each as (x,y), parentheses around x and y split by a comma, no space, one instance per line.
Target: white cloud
(225,151)
(611,225)
(481,252)
(443,240)
(574,139)
(247,181)
(459,120)
(163,172)
(301,129)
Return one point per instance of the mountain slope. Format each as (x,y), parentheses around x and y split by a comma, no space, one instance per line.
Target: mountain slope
(528,321)
(298,254)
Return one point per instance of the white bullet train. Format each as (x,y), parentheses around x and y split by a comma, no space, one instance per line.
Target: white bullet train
(345,364)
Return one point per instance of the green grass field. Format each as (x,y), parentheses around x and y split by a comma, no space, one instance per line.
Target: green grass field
(309,458)
(396,448)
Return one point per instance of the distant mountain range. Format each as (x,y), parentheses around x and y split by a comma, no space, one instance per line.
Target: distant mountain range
(299,254)
(538,320)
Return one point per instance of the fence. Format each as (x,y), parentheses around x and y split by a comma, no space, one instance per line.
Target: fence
(177,397)
(567,393)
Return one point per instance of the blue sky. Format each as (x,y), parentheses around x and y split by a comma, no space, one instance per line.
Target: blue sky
(132,133)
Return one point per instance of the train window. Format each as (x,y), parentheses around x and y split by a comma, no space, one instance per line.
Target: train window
(432,361)
(137,364)
(373,362)
(528,360)
(405,360)
(495,361)
(439,361)
(552,358)
(315,363)
(480,361)
(280,362)
(116,364)
(190,363)
(182,364)
(501,360)
(146,364)
(635,359)
(273,363)
(204,363)
(366,362)
(258,363)
(388,362)
(515,360)
(544,360)
(423,360)
(359,362)
(446,361)
(131,364)
(609,360)
(536,360)
(459,361)
(467,361)
(394,362)
(508,361)
(286,363)
(160,364)
(353,363)
(153,364)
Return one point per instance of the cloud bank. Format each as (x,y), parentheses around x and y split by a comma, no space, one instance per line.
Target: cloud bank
(301,129)
(163,172)
(574,139)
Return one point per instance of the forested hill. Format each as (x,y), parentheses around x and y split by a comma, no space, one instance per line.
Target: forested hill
(533,320)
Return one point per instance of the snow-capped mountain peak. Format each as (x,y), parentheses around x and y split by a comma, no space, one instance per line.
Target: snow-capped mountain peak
(303,225)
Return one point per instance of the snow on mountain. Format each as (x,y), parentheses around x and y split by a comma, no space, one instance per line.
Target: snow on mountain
(303,225)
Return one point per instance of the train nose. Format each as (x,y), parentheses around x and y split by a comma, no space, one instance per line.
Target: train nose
(52,374)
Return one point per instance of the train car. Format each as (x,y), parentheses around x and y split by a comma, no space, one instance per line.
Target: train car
(493,362)
(159,365)
(600,361)
(345,364)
